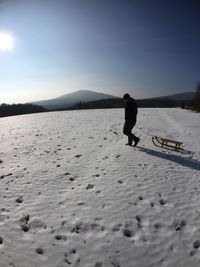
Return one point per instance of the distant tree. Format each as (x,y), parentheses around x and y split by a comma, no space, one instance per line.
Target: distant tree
(197,95)
(80,105)
(195,103)
(182,105)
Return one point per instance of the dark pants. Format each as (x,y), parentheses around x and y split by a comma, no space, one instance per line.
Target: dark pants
(128,126)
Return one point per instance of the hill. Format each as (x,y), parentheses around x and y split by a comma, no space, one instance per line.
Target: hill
(184,97)
(68,100)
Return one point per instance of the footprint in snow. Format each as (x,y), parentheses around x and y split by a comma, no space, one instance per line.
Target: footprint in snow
(81,203)
(157,226)
(37,224)
(196,244)
(162,202)
(98,264)
(98,219)
(192,252)
(61,237)
(71,257)
(178,224)
(117,227)
(89,186)
(78,156)
(82,227)
(5,175)
(115,263)
(5,210)
(138,218)
(63,222)
(152,204)
(96,175)
(19,199)
(128,233)
(24,223)
(39,251)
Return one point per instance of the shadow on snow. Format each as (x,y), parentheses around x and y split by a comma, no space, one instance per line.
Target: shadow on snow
(190,163)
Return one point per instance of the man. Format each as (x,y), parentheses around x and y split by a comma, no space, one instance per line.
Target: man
(130,119)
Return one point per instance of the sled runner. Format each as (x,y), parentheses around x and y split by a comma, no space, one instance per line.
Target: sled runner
(166,143)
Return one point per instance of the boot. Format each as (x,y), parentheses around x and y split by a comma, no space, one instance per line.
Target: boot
(136,140)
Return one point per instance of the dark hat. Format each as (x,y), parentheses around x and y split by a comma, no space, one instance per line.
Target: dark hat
(126,96)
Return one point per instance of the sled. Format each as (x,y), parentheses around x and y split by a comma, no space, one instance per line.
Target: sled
(166,143)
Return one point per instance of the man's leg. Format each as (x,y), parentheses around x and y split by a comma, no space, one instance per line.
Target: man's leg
(130,139)
(128,126)
(136,140)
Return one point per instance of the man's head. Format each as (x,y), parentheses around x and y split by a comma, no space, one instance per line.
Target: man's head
(126,96)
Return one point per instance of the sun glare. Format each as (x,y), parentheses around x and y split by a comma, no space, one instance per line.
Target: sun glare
(6,42)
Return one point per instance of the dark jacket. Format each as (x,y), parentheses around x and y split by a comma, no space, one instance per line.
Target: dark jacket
(131,110)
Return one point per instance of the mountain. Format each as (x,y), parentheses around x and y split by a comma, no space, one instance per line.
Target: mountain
(68,100)
(175,100)
(183,97)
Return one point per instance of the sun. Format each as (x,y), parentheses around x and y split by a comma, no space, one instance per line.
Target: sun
(6,42)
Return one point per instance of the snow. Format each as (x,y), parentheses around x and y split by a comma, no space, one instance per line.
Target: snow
(72,194)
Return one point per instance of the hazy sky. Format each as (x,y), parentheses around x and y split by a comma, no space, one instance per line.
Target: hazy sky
(145,47)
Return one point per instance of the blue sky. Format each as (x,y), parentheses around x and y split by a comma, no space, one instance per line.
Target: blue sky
(145,47)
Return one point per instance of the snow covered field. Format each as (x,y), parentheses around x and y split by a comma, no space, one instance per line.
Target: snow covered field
(72,194)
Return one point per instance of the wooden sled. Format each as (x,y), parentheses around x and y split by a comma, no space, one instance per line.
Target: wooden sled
(166,143)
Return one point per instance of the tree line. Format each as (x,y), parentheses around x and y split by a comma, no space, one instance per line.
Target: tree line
(19,109)
(119,103)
